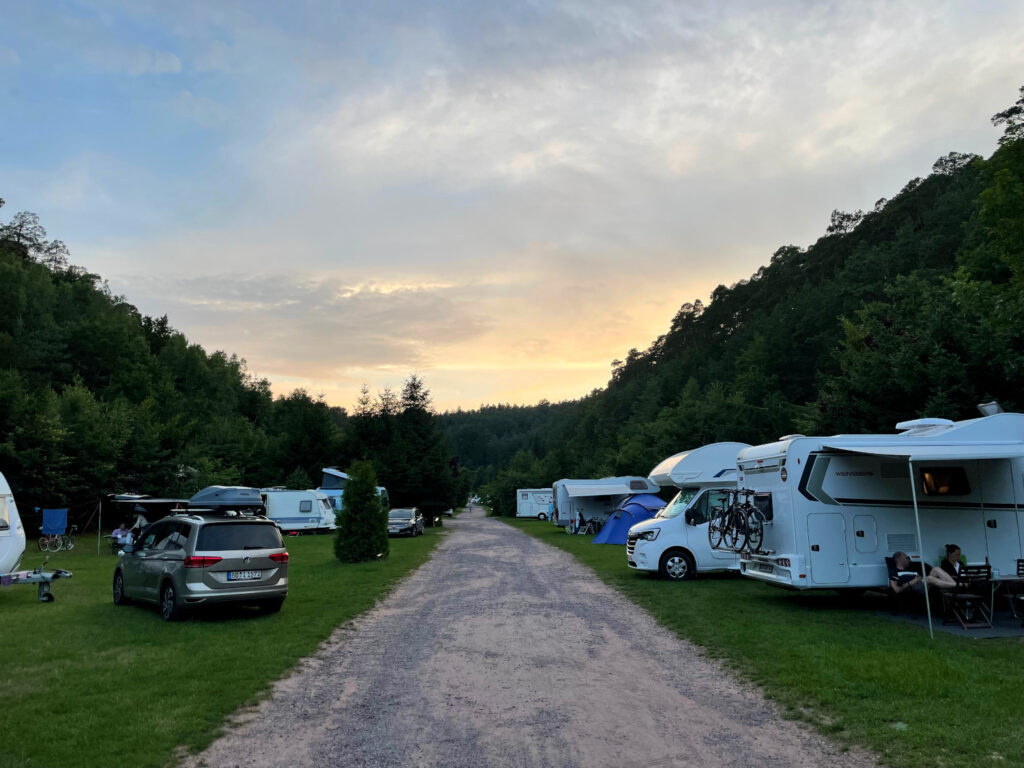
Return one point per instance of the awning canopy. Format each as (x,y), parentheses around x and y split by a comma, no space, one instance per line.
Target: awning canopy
(936,452)
(599,489)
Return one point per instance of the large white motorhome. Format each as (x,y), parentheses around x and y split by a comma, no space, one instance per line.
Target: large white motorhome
(534,502)
(675,542)
(593,499)
(298,510)
(12,532)
(836,507)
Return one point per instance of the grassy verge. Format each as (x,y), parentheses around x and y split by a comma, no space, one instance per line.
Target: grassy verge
(85,683)
(859,677)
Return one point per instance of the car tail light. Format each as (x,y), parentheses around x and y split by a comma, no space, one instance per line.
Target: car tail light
(783,561)
(201,562)
(279,557)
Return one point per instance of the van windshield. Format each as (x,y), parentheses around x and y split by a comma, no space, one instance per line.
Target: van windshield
(680,502)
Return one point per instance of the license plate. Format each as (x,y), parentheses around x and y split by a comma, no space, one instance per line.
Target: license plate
(244,575)
(764,568)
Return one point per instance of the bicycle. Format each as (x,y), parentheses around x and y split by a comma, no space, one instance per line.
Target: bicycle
(739,524)
(58,541)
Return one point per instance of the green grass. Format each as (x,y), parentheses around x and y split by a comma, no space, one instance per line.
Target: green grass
(85,683)
(861,678)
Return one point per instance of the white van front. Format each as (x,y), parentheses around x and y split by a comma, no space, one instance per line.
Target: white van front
(675,542)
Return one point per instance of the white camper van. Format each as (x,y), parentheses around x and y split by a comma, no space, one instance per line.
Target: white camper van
(298,510)
(12,532)
(533,502)
(836,507)
(593,499)
(675,541)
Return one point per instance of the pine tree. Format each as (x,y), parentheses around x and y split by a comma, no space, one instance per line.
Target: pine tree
(362,522)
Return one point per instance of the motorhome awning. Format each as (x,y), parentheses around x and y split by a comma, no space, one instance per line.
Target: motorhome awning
(603,489)
(947,452)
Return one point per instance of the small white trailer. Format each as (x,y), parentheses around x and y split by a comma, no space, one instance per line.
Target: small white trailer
(298,510)
(12,548)
(836,507)
(586,500)
(534,502)
(675,542)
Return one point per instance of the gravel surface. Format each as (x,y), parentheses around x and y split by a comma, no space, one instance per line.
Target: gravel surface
(504,651)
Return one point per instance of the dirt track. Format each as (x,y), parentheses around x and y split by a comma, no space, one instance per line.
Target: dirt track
(503,651)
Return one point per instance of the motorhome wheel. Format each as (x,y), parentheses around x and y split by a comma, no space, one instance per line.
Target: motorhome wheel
(677,565)
(542,516)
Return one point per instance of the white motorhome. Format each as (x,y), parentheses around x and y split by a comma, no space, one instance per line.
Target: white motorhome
(593,499)
(675,542)
(12,532)
(534,502)
(332,485)
(836,507)
(298,510)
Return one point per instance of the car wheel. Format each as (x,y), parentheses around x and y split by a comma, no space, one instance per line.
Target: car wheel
(119,596)
(271,606)
(542,516)
(169,608)
(677,565)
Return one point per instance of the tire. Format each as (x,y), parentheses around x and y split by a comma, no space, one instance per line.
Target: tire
(542,516)
(169,608)
(755,530)
(47,597)
(271,606)
(120,598)
(677,565)
(41,543)
(69,543)
(716,531)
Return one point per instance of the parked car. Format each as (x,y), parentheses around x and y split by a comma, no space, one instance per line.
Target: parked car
(188,560)
(405,522)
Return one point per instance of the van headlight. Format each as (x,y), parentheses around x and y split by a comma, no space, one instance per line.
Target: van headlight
(650,534)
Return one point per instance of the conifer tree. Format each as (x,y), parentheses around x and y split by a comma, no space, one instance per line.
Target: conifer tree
(362,522)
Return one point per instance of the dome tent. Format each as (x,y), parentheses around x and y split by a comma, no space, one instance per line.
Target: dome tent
(632,510)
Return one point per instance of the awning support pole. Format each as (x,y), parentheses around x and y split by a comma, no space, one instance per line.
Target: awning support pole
(99,527)
(920,548)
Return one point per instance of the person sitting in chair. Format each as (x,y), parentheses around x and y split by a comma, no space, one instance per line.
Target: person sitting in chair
(900,576)
(122,535)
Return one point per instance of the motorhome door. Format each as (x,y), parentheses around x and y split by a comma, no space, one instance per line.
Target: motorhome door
(1002,537)
(826,534)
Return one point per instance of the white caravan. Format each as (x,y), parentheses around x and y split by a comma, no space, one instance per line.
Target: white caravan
(332,485)
(594,499)
(836,507)
(298,510)
(12,532)
(534,502)
(675,541)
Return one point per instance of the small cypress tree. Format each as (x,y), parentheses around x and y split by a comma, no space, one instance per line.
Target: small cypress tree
(362,522)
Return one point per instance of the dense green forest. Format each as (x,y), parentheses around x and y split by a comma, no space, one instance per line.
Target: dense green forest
(913,308)
(96,398)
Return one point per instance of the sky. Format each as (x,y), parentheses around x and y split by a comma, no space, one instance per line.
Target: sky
(501,197)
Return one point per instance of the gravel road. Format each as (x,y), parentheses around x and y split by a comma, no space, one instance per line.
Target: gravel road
(504,651)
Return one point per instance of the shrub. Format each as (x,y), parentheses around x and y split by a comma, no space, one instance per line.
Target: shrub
(362,522)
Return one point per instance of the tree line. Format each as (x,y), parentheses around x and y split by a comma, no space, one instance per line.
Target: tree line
(913,308)
(96,398)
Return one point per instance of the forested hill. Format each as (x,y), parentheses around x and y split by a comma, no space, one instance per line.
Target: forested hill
(913,308)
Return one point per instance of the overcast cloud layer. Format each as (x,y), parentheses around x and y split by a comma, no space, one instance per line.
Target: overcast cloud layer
(501,197)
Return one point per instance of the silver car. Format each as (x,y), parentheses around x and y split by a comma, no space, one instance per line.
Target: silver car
(187,560)
(405,522)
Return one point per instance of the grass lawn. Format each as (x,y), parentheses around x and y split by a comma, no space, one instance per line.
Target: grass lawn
(861,678)
(85,683)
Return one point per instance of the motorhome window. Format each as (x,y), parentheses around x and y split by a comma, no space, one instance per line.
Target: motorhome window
(678,504)
(945,481)
(306,506)
(325,504)
(5,518)
(220,536)
(333,482)
(763,502)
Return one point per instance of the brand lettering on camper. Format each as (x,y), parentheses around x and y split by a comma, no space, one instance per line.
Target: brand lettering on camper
(864,473)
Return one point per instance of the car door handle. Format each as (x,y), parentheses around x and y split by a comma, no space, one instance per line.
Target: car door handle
(815,548)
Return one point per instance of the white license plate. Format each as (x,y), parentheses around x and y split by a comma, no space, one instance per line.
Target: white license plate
(244,575)
(764,568)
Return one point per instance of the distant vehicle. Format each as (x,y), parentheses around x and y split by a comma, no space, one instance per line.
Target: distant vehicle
(534,502)
(593,501)
(187,560)
(298,510)
(12,532)
(405,522)
(675,542)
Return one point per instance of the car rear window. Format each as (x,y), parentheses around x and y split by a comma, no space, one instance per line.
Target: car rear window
(218,536)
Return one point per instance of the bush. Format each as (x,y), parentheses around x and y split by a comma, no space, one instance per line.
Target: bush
(362,522)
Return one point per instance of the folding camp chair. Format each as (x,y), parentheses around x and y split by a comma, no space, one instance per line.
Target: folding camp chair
(972,594)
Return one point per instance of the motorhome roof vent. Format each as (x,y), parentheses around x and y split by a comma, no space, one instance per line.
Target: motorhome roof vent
(790,437)
(990,408)
(917,425)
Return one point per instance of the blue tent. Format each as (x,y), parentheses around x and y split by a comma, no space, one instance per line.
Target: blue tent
(631,510)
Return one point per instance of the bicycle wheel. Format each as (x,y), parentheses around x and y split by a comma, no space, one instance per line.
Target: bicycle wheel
(716,531)
(69,542)
(735,534)
(41,543)
(755,530)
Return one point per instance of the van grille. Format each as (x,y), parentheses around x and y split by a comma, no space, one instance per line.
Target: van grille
(631,544)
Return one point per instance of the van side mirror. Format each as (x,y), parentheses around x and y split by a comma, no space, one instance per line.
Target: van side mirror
(690,519)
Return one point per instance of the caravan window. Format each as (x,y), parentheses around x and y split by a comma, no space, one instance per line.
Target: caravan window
(763,501)
(5,518)
(305,506)
(945,481)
